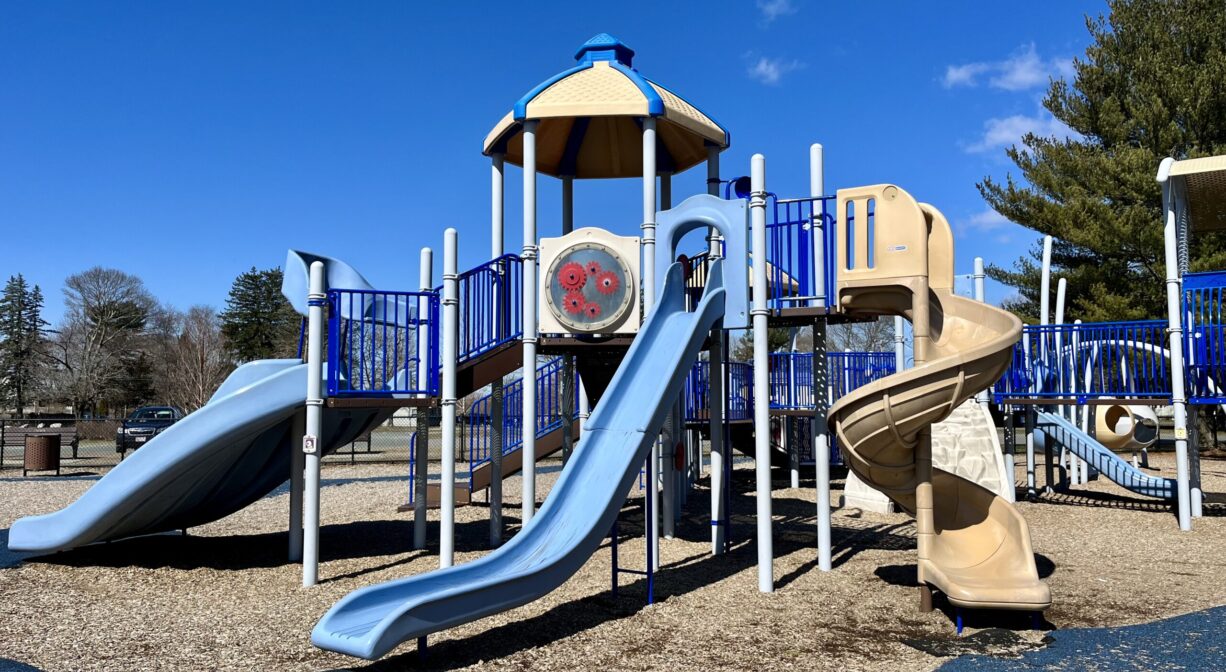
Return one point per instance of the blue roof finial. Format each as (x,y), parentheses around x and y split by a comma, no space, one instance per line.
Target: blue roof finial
(605,47)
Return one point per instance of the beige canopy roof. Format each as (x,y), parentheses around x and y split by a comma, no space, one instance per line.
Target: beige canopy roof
(1205,184)
(590,120)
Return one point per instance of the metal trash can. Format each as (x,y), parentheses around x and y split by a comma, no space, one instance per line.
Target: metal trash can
(42,453)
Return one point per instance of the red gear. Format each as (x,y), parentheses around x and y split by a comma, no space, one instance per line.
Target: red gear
(571,276)
(573,302)
(591,310)
(593,268)
(607,282)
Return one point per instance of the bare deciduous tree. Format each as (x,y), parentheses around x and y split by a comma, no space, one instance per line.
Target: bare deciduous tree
(192,360)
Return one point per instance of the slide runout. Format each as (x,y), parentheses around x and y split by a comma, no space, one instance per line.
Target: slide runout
(974,545)
(575,517)
(1084,446)
(216,461)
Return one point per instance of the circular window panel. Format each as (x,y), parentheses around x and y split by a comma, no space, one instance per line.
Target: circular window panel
(590,288)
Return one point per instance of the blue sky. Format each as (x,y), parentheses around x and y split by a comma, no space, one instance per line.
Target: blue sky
(186,142)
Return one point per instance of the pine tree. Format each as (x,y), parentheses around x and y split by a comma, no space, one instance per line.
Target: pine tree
(258,323)
(21,339)
(1152,84)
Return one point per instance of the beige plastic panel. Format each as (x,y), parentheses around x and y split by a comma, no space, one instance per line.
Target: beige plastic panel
(625,247)
(899,240)
(940,249)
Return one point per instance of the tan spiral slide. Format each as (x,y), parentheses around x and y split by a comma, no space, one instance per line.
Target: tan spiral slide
(895,257)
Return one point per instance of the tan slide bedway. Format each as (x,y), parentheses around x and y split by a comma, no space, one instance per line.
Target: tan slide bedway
(895,257)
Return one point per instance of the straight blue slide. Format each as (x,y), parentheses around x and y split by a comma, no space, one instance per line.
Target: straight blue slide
(221,458)
(1119,470)
(576,516)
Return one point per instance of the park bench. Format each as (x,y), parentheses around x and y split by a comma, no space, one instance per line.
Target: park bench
(13,434)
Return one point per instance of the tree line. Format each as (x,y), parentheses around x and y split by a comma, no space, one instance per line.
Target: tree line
(117,347)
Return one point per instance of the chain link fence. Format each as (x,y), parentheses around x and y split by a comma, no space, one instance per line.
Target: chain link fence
(89,444)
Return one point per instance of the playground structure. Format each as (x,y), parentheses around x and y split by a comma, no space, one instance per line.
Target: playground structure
(627,390)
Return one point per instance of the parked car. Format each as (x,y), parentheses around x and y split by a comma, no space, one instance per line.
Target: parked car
(144,424)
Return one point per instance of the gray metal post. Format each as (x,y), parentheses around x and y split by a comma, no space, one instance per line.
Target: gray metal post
(297,469)
(528,394)
(713,247)
(761,395)
(568,361)
(715,416)
(421,459)
(649,300)
(314,424)
(980,296)
(1179,401)
(451,321)
(497,246)
(900,344)
(821,377)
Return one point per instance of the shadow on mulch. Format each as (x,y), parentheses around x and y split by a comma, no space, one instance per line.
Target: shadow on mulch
(359,539)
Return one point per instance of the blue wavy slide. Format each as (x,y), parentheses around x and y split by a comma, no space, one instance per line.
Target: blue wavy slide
(1119,470)
(219,459)
(576,516)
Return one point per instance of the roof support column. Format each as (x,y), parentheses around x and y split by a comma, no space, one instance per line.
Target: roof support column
(649,300)
(568,361)
(530,325)
(497,245)
(1179,400)
(761,378)
(713,248)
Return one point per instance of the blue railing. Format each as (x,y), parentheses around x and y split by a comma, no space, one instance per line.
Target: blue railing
(789,250)
(1089,361)
(791,375)
(379,340)
(490,305)
(738,391)
(1204,316)
(549,397)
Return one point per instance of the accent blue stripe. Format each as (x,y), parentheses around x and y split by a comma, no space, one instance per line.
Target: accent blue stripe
(521,105)
(574,141)
(655,104)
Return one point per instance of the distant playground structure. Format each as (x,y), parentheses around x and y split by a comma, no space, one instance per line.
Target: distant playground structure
(615,351)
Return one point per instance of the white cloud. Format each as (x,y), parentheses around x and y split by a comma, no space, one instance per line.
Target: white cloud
(770,71)
(1023,70)
(773,9)
(1004,131)
(986,220)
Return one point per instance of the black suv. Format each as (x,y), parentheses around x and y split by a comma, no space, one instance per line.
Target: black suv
(144,424)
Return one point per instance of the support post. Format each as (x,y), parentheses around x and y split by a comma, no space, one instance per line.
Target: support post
(1031,488)
(821,375)
(497,245)
(981,297)
(530,325)
(900,345)
(314,424)
(672,424)
(715,416)
(297,470)
(649,300)
(713,248)
(568,361)
(761,395)
(451,321)
(924,524)
(421,460)
(1179,400)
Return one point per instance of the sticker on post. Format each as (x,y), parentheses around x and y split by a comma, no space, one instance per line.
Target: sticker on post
(1181,433)
(309,444)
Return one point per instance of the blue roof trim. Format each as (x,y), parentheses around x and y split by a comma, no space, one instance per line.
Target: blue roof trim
(727,133)
(521,105)
(655,104)
(574,141)
(605,47)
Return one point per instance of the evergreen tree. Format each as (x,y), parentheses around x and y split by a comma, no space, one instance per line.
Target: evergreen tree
(1152,85)
(21,340)
(258,323)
